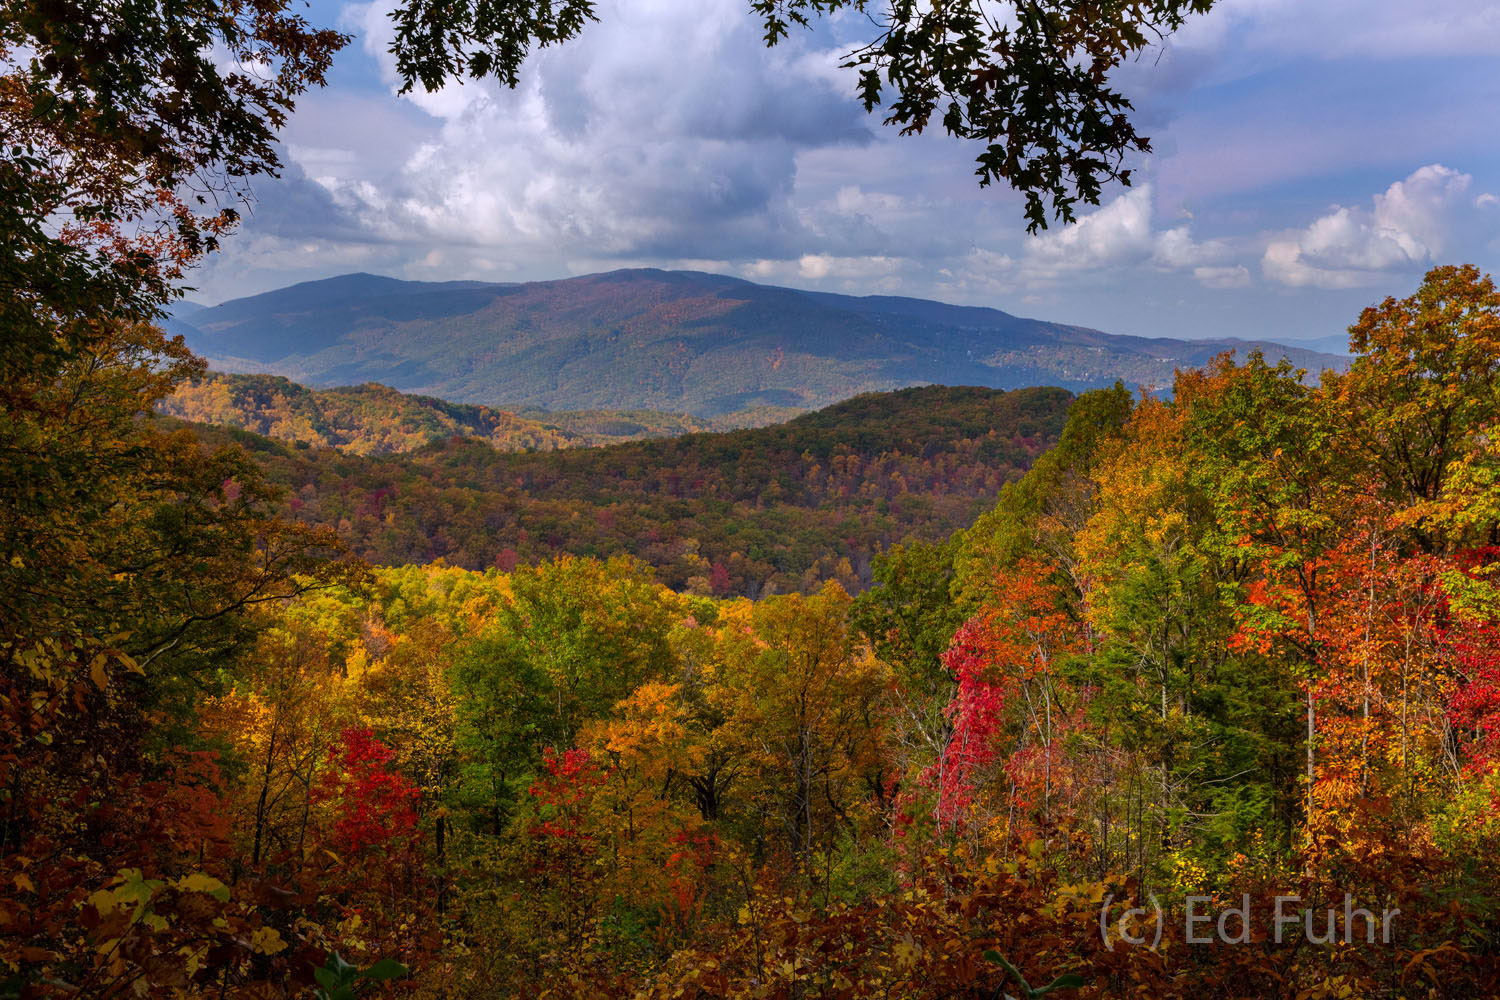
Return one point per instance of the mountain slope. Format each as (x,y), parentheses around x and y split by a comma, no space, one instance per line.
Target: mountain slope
(782,507)
(373,419)
(662,340)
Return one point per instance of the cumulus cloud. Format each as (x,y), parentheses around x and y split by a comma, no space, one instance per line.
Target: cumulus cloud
(665,130)
(1411,224)
(1118,233)
(1122,234)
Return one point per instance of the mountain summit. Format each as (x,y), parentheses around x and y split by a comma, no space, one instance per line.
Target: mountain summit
(680,341)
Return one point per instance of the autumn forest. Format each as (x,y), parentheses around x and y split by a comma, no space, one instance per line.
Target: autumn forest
(945,693)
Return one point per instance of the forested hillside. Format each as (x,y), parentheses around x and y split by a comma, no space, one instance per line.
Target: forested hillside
(676,341)
(376,420)
(771,509)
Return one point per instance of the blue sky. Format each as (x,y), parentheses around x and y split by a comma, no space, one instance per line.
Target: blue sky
(1310,159)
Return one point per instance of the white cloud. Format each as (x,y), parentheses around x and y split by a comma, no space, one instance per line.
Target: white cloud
(1237,276)
(1410,224)
(1176,250)
(822,265)
(1120,235)
(664,131)
(854,274)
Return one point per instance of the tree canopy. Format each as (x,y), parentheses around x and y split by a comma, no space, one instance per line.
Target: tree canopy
(1242,643)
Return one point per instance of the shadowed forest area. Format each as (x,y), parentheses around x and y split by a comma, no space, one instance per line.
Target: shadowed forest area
(742,513)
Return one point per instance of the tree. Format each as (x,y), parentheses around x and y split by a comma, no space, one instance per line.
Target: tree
(1425,388)
(127,139)
(594,630)
(800,694)
(1207,731)
(135,561)
(1039,515)
(909,616)
(1263,452)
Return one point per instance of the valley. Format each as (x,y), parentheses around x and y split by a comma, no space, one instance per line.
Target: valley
(774,509)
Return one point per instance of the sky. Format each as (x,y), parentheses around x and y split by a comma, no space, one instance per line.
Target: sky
(1310,158)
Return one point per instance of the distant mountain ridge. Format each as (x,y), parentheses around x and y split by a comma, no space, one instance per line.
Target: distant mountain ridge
(672,341)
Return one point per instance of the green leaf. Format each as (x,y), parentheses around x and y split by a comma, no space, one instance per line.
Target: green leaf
(386,968)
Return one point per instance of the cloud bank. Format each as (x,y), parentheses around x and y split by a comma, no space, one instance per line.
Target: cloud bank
(1412,224)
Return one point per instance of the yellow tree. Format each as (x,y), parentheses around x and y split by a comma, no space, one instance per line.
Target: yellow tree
(281,723)
(804,695)
(1426,384)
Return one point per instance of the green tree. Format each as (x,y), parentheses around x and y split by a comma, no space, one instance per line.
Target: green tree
(503,720)
(1044,510)
(1262,448)
(910,614)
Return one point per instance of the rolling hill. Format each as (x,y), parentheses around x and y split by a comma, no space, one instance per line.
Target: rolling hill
(739,512)
(675,341)
(374,419)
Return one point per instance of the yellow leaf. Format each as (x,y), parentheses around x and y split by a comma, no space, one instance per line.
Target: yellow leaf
(96,671)
(104,901)
(24,884)
(198,882)
(266,941)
